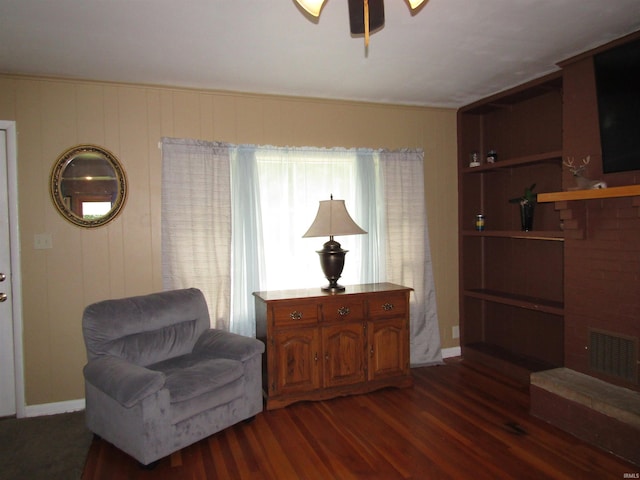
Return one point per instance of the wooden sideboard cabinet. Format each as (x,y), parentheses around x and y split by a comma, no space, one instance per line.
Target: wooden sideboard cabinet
(321,345)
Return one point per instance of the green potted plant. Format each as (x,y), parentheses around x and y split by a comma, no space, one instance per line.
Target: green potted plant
(527,203)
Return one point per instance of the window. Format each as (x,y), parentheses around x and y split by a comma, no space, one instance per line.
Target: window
(233,219)
(290,188)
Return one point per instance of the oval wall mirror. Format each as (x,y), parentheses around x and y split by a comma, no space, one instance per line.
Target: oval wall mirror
(88,186)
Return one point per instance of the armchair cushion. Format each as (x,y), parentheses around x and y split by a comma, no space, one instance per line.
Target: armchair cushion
(146,329)
(189,376)
(123,381)
(220,343)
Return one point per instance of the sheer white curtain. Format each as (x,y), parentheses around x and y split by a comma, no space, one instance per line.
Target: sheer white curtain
(292,181)
(372,212)
(273,195)
(196,222)
(408,259)
(248,248)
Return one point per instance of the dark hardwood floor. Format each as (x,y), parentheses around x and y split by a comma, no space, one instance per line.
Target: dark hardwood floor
(456,422)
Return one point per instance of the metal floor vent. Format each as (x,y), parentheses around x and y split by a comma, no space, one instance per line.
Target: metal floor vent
(614,355)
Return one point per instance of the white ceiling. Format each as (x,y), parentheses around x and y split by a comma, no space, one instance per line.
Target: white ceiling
(448,53)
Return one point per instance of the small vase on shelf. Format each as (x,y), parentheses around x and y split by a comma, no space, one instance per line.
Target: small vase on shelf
(527,204)
(526,216)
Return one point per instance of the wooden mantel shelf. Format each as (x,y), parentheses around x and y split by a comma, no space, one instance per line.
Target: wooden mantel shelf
(611,192)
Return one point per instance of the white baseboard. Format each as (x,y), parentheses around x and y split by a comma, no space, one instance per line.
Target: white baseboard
(451,352)
(54,408)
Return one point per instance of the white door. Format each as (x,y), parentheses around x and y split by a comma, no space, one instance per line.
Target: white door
(7,351)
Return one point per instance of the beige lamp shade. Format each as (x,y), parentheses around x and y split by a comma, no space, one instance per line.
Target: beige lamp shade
(311,6)
(333,219)
(415,3)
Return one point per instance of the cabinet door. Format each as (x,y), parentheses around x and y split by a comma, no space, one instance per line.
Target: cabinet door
(344,354)
(388,348)
(297,360)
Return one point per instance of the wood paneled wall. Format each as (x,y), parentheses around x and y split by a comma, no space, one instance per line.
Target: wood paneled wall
(123,258)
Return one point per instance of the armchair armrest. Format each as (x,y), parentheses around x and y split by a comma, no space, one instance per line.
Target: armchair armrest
(123,381)
(223,344)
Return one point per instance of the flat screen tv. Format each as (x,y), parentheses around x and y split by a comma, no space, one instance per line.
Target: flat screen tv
(618,89)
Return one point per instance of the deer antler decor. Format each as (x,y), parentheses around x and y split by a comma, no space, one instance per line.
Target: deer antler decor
(582,182)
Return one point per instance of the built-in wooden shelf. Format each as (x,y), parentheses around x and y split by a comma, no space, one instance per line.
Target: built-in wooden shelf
(520,301)
(547,235)
(552,156)
(611,192)
(509,363)
(515,323)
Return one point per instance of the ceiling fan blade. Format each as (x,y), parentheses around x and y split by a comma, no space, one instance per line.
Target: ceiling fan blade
(356,15)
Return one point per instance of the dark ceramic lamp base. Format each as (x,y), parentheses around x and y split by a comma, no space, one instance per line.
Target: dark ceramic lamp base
(332,263)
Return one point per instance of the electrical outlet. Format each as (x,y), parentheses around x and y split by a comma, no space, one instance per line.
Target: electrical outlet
(42,241)
(455,331)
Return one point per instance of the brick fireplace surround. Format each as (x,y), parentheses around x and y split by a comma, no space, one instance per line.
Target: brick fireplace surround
(601,290)
(597,396)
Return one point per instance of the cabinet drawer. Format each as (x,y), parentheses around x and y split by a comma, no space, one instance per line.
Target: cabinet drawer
(342,310)
(290,314)
(387,305)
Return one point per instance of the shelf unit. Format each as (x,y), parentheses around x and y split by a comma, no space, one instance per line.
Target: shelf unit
(511,281)
(612,192)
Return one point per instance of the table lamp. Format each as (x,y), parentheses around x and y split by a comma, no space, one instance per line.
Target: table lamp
(332,219)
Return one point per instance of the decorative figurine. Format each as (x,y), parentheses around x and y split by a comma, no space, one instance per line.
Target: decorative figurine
(582,182)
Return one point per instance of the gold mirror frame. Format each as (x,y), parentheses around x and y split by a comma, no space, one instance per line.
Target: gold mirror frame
(87,173)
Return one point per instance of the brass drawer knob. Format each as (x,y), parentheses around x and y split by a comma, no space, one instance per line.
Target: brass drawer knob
(343,311)
(387,307)
(295,315)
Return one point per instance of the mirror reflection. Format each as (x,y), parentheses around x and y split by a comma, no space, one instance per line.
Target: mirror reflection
(88,185)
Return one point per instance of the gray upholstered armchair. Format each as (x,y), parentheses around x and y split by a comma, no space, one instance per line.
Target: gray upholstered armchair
(158,378)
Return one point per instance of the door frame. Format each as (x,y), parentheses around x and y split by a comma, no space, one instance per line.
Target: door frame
(16,271)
